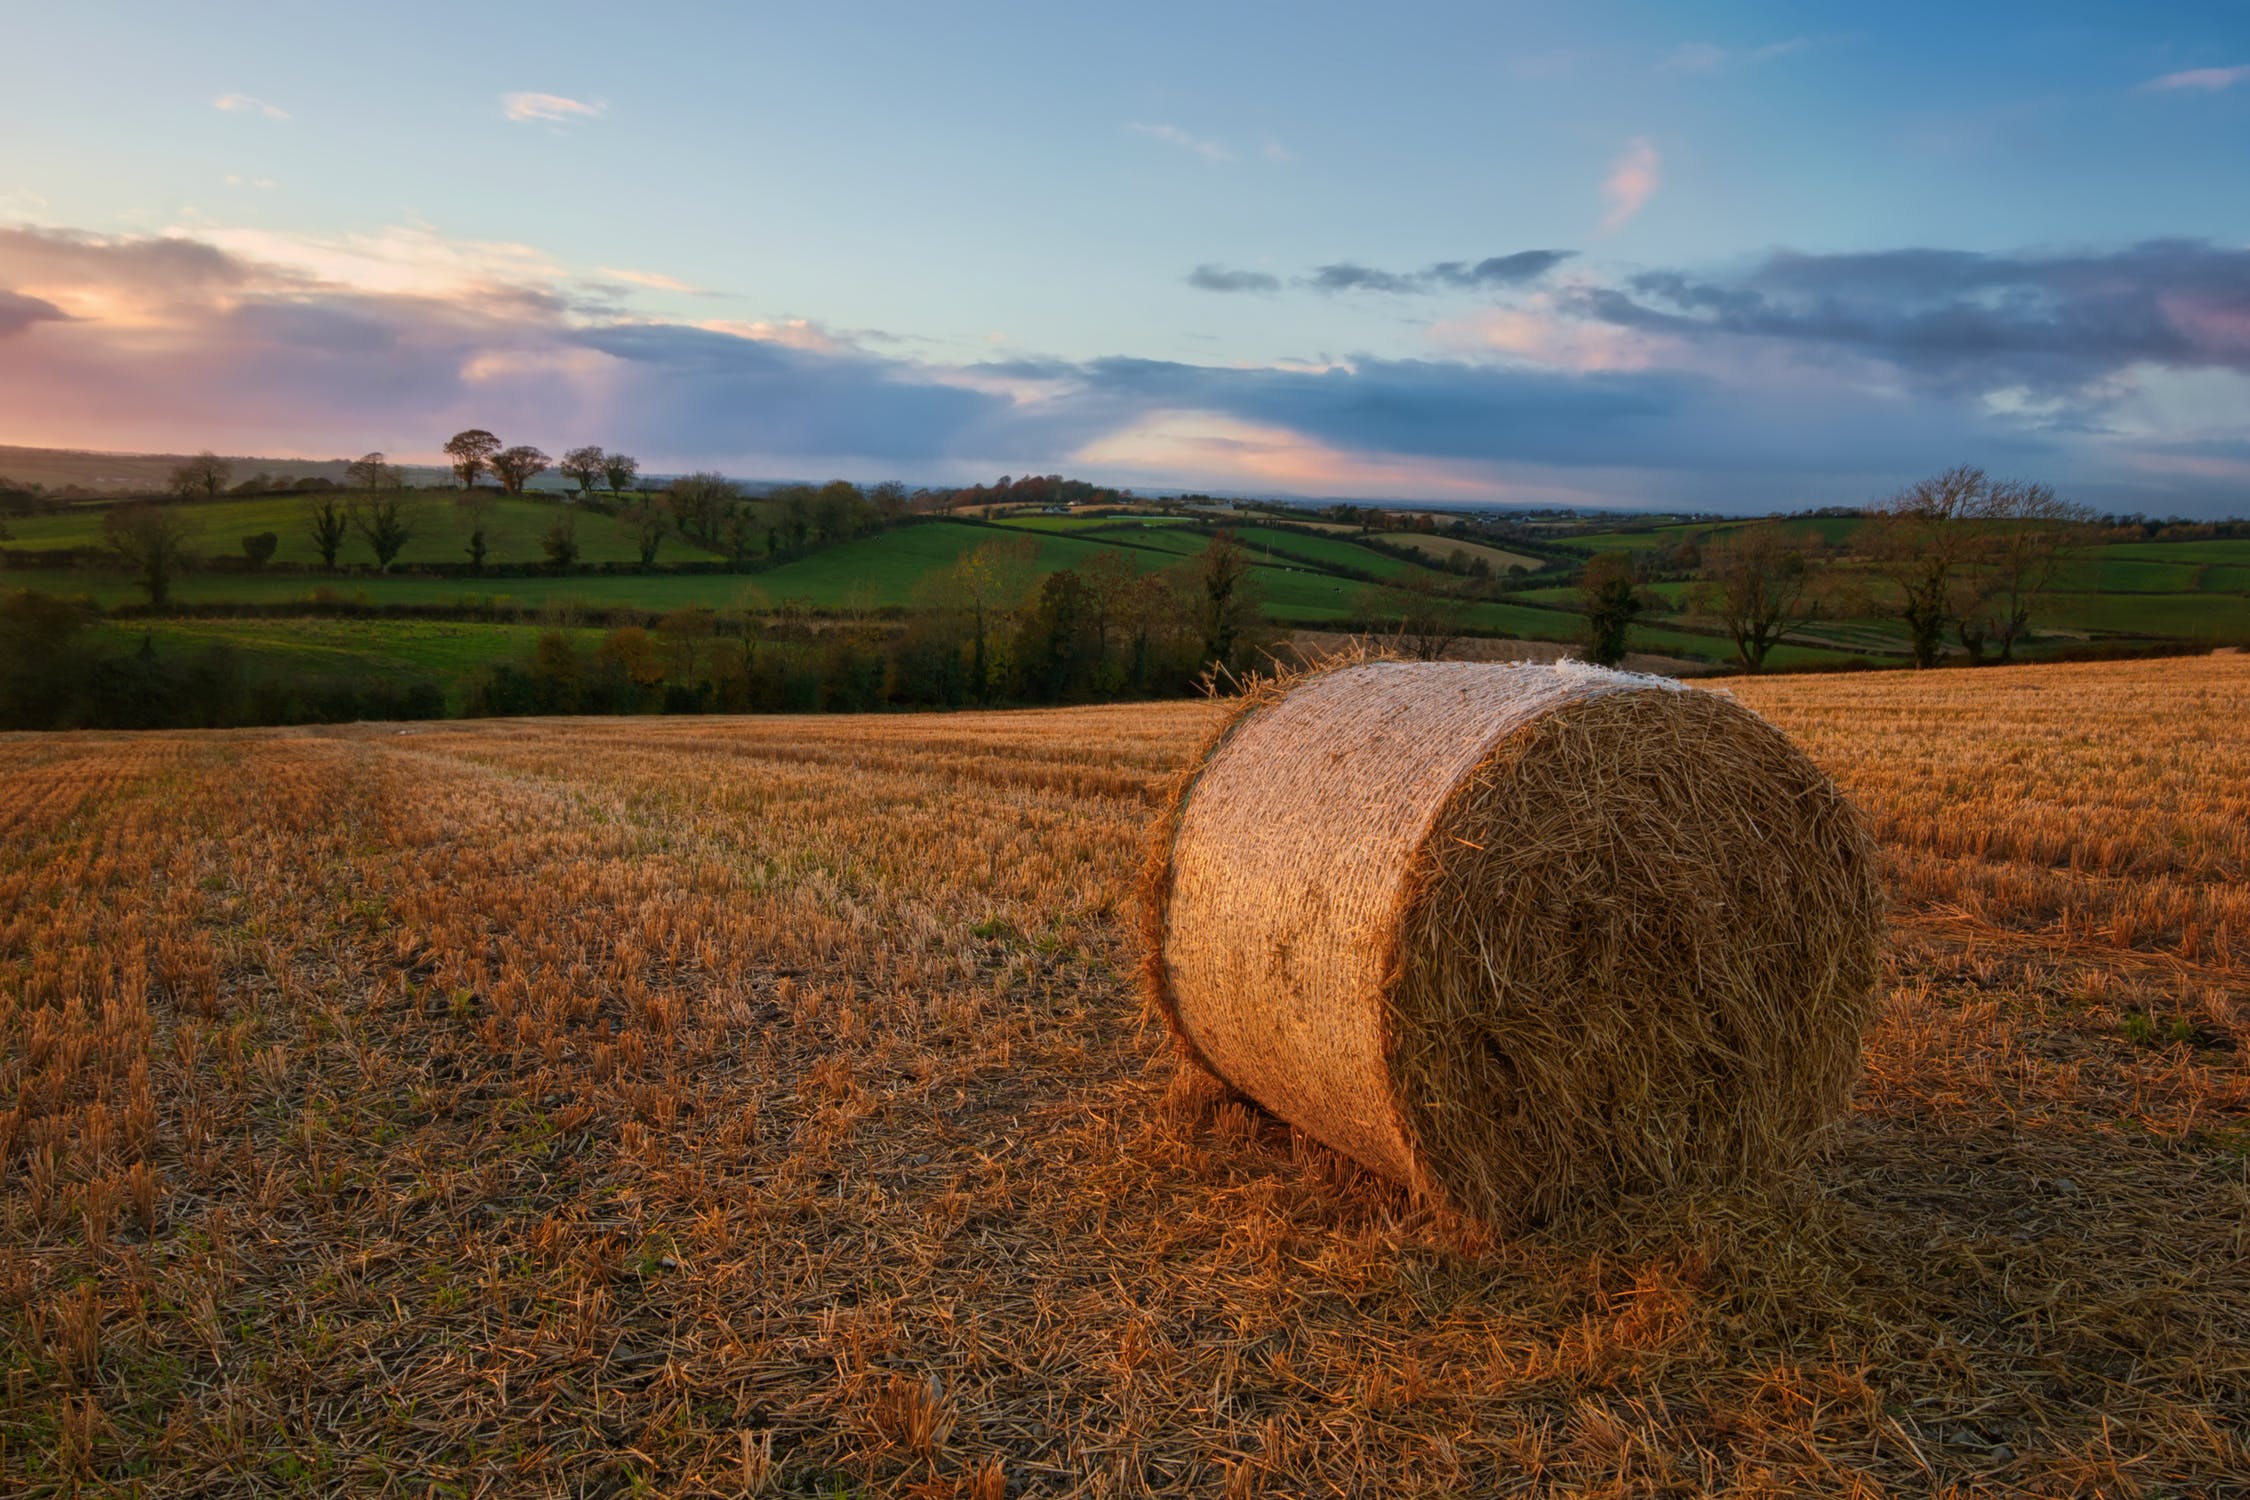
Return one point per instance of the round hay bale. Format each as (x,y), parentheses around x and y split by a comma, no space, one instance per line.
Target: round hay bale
(1524,937)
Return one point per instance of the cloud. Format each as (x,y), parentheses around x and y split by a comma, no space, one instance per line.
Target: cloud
(552,108)
(2051,323)
(1172,135)
(1632,178)
(2200,80)
(1212,278)
(1493,271)
(1705,57)
(244,104)
(18,313)
(404,258)
(653,280)
(1668,388)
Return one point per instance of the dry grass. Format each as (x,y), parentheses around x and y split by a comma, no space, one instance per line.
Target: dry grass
(764,1107)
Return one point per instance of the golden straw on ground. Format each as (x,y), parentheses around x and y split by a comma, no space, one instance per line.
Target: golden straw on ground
(1527,938)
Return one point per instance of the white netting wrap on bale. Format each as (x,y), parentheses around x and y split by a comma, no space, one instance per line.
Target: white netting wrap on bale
(1523,937)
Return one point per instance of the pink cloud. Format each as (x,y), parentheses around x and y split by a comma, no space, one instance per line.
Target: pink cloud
(555,109)
(1173,135)
(2202,80)
(1633,177)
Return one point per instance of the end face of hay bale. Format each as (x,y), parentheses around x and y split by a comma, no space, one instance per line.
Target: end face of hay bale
(1523,937)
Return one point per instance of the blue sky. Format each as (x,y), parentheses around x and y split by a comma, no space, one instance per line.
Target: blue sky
(1736,256)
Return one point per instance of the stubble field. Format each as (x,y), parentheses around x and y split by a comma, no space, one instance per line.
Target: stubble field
(764,1106)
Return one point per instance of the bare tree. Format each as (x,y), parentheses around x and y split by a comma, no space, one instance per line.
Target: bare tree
(471,451)
(585,465)
(620,470)
(1920,544)
(370,472)
(518,466)
(382,520)
(156,542)
(205,474)
(328,521)
(2027,532)
(1424,612)
(1758,585)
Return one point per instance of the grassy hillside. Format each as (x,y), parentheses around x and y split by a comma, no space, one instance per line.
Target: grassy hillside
(441,531)
(2113,592)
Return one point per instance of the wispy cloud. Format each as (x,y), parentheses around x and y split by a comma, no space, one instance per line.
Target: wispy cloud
(1445,275)
(1210,278)
(1632,179)
(655,281)
(1708,57)
(235,179)
(1173,135)
(244,104)
(556,109)
(2200,80)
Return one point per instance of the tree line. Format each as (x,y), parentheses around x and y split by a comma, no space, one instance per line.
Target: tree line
(989,629)
(1959,560)
(992,628)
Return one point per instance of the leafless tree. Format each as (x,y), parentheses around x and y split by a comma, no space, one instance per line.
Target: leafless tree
(1423,612)
(371,473)
(1759,586)
(2026,534)
(1920,544)
(205,474)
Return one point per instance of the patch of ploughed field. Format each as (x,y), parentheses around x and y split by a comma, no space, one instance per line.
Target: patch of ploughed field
(768,1106)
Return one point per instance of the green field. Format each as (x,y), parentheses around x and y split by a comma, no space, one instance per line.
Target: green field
(1832,530)
(441,531)
(2122,591)
(2211,617)
(650,591)
(1438,549)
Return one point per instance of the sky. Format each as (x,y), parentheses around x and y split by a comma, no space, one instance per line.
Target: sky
(1730,256)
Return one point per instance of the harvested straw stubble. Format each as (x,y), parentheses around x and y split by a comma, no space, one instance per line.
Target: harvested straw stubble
(1527,938)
